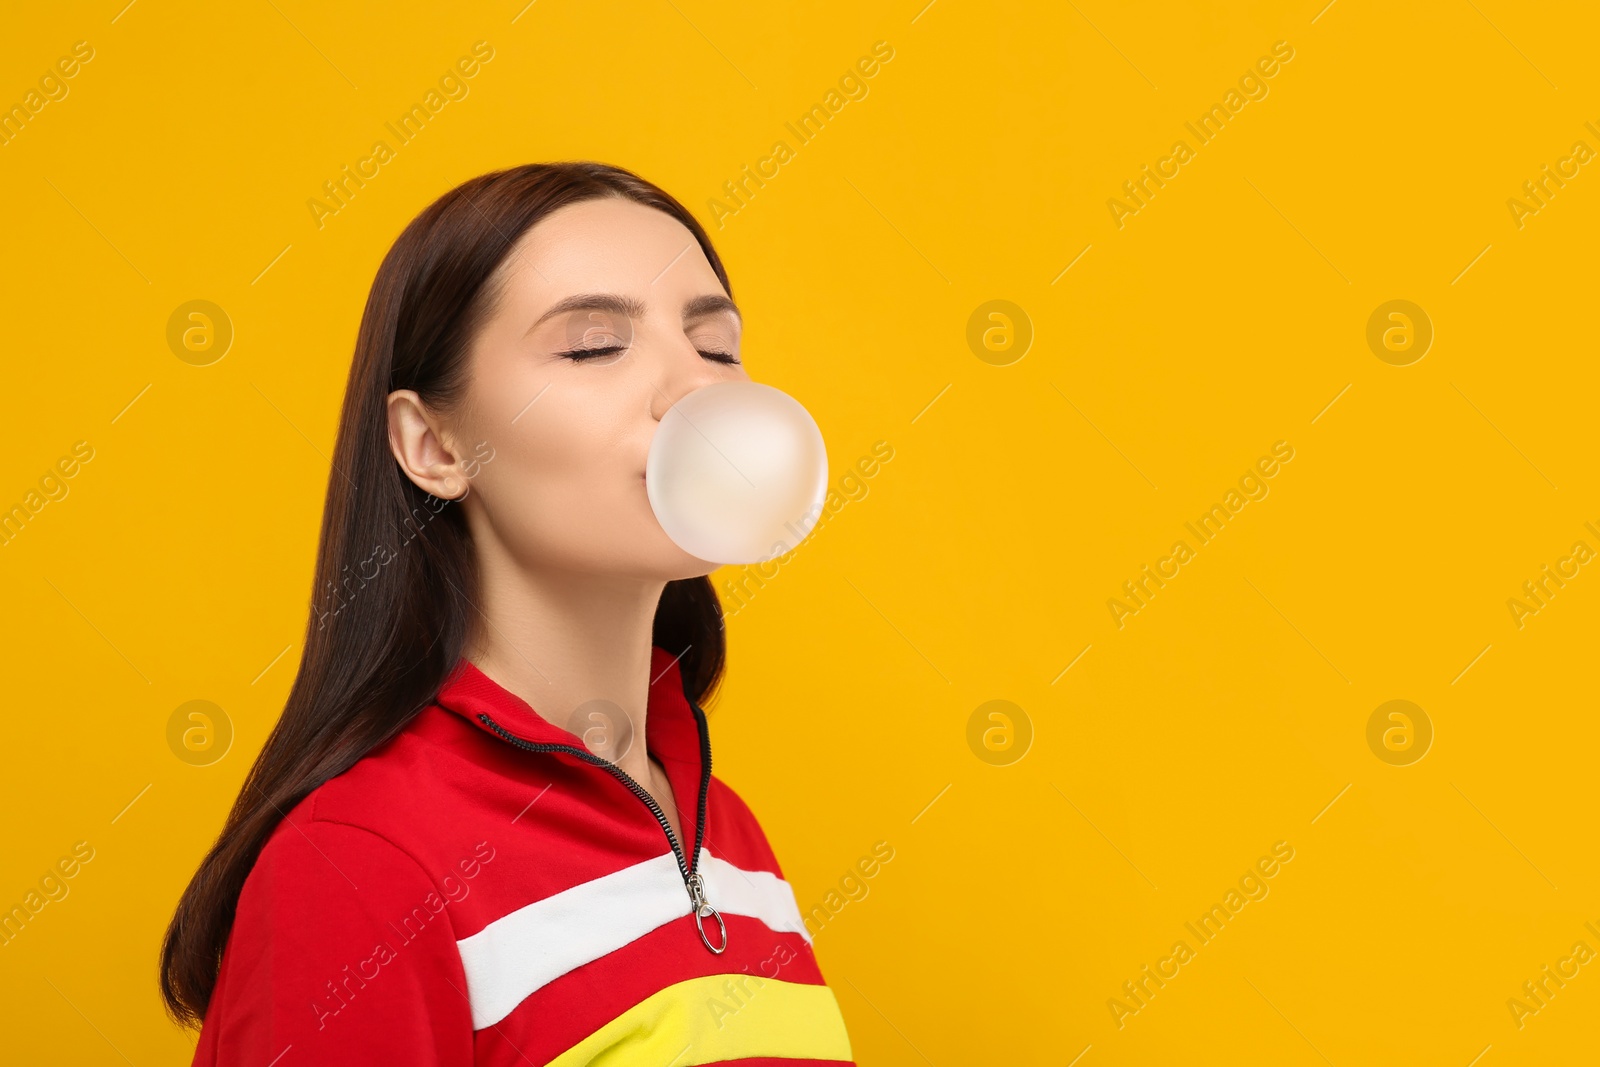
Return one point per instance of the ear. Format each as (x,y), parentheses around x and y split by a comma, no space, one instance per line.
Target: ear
(423,448)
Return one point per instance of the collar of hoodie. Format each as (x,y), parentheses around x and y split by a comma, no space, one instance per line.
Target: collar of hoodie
(672,726)
(676,735)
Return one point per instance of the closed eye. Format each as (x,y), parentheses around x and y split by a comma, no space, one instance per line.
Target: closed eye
(580,355)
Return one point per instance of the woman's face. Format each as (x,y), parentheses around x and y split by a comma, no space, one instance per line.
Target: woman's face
(609,314)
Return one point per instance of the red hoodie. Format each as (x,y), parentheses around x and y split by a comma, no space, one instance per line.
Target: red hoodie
(483,889)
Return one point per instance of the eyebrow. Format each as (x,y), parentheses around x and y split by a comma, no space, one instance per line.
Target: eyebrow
(698,308)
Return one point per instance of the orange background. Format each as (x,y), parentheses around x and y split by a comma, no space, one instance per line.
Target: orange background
(1040,860)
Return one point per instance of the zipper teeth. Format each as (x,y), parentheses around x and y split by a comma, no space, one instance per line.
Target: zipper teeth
(705,780)
(685,868)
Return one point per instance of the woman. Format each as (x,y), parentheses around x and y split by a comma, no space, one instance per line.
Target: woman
(485,828)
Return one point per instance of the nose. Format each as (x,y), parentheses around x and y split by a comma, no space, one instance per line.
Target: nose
(680,373)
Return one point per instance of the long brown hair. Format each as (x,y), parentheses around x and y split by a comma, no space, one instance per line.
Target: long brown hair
(377,650)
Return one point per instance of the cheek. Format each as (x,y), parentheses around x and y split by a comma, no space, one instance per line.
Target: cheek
(564,484)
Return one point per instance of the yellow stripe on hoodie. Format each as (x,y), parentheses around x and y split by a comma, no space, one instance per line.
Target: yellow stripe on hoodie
(719,1017)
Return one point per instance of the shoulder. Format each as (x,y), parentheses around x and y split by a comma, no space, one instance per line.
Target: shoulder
(732,804)
(348,865)
(405,794)
(387,835)
(327,908)
(371,831)
(735,831)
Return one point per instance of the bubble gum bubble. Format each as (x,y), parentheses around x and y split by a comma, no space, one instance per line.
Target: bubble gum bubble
(737,472)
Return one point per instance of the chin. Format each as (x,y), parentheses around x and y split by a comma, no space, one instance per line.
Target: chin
(652,555)
(665,559)
(684,565)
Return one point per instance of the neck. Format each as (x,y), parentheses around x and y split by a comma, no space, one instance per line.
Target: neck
(560,639)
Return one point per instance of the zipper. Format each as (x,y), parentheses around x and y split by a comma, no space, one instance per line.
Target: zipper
(686,867)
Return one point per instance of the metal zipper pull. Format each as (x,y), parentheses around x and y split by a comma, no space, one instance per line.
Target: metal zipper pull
(703,908)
